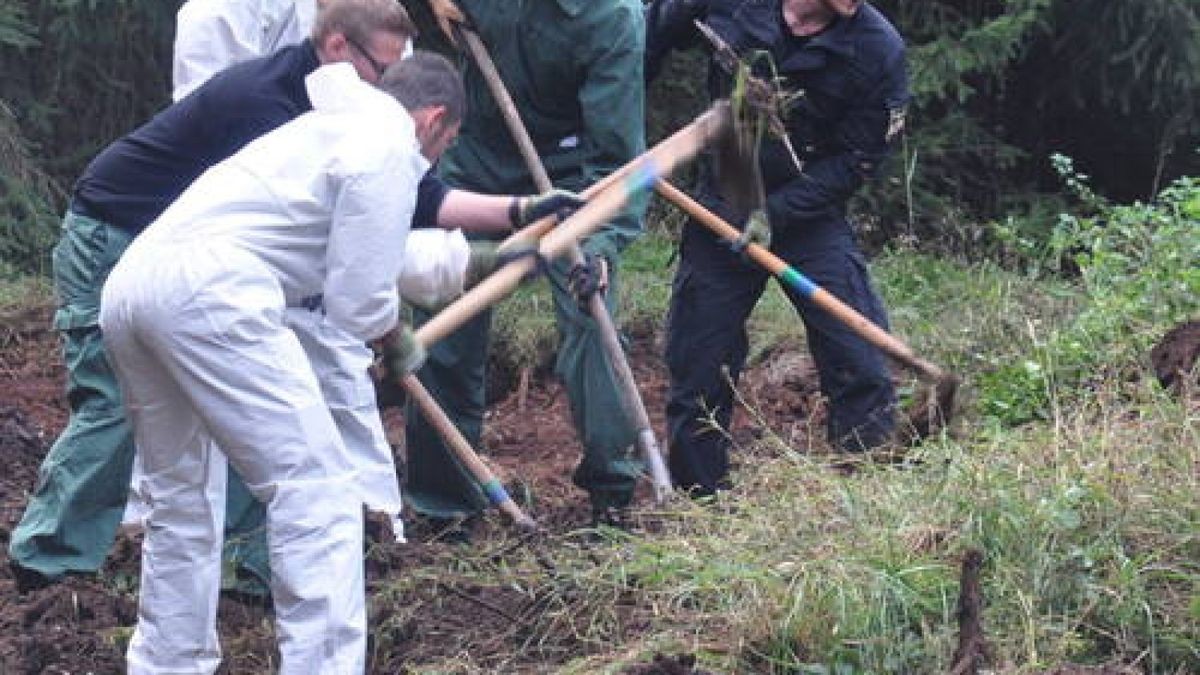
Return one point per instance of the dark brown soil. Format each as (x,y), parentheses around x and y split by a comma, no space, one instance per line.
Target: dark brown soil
(83,624)
(683,664)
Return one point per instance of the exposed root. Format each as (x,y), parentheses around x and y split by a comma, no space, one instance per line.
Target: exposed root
(972,650)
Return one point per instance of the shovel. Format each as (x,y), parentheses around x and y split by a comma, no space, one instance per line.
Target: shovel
(631,399)
(935,407)
(458,444)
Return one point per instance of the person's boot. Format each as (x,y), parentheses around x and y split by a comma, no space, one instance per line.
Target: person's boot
(29,580)
(616,517)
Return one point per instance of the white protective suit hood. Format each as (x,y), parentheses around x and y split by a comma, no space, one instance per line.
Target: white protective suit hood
(337,88)
(435,260)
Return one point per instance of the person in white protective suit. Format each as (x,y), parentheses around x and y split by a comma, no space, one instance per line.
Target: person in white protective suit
(211,35)
(214,34)
(192,317)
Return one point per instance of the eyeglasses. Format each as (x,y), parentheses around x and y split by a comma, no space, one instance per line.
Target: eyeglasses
(375,65)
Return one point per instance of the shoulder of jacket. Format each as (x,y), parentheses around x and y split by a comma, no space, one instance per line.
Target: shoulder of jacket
(878,34)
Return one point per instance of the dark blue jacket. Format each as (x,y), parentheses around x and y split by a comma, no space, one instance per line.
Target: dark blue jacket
(853,86)
(138,176)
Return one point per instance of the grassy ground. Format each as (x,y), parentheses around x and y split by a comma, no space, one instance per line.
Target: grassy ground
(1079,493)
(1086,516)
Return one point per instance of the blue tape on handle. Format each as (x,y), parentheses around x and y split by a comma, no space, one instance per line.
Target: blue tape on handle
(495,492)
(803,285)
(643,176)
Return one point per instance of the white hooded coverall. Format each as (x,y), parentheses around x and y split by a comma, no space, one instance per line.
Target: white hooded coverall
(193,320)
(212,35)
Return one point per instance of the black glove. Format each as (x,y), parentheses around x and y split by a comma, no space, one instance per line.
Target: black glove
(403,353)
(555,202)
(587,279)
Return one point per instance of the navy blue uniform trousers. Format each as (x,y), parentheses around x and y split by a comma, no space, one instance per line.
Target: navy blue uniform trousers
(714,292)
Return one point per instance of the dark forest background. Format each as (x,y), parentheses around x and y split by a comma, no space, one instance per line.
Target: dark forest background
(1000,86)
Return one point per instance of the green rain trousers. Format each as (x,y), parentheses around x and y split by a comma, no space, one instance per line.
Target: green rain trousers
(574,70)
(455,374)
(83,483)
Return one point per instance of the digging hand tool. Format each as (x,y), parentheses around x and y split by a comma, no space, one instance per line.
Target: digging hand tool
(583,271)
(403,355)
(936,406)
(496,494)
(605,199)
(447,14)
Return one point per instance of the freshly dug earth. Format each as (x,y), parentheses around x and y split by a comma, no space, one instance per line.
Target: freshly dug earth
(422,609)
(83,624)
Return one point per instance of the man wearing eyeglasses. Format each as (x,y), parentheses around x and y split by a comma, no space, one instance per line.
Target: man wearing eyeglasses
(71,520)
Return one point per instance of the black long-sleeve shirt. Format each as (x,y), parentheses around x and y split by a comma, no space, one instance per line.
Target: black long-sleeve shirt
(138,176)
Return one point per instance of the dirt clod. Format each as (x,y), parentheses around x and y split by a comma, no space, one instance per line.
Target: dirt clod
(682,664)
(1174,359)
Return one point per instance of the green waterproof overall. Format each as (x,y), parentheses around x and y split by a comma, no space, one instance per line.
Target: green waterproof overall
(83,483)
(574,70)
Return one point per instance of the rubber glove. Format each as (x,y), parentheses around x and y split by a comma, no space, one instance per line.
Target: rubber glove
(554,202)
(587,279)
(486,257)
(756,231)
(403,353)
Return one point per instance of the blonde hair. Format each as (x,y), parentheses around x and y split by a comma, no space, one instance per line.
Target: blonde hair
(359,20)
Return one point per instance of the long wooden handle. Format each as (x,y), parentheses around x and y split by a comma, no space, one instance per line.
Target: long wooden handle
(631,398)
(790,275)
(639,174)
(495,492)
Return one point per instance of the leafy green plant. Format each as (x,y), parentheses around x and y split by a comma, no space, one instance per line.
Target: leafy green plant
(1139,268)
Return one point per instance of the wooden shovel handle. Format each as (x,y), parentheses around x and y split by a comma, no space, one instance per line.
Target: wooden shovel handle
(495,492)
(826,300)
